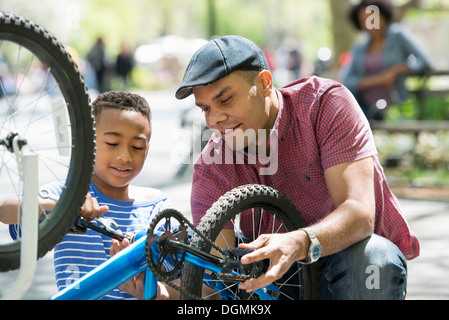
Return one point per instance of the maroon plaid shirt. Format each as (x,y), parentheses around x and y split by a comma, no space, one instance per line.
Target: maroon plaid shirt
(319,125)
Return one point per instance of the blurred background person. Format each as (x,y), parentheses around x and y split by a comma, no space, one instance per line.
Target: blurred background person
(124,64)
(97,60)
(380,62)
(294,60)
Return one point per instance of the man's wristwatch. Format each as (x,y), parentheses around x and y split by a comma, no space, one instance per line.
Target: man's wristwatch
(314,252)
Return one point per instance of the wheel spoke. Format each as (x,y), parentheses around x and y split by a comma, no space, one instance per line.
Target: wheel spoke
(41,95)
(270,213)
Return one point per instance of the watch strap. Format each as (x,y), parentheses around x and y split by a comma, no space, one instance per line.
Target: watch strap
(314,243)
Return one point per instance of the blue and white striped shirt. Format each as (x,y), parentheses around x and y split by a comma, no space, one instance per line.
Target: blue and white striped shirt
(77,254)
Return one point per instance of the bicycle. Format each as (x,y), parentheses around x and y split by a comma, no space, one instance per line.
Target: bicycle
(171,238)
(46,133)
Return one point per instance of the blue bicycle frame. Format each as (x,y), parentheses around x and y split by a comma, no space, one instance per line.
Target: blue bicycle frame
(128,263)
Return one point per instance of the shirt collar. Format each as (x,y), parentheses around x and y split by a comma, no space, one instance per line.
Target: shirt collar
(281,122)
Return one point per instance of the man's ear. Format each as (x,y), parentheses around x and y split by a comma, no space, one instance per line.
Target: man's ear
(266,81)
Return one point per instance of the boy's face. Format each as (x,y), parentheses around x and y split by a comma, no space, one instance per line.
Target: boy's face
(122,146)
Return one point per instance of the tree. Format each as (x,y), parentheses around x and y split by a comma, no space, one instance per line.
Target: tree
(212,18)
(343,32)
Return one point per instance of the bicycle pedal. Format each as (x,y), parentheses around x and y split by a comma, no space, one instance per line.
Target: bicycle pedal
(232,277)
(235,270)
(237,252)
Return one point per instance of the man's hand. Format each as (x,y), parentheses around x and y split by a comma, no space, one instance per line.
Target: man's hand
(281,249)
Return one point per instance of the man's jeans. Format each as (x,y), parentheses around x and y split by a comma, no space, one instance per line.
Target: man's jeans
(373,268)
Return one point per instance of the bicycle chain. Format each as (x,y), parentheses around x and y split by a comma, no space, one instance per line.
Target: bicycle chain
(162,277)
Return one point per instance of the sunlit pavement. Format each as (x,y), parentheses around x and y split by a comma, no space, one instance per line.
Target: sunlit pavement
(429,273)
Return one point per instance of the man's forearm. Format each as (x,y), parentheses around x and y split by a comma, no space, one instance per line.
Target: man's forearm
(351,188)
(350,223)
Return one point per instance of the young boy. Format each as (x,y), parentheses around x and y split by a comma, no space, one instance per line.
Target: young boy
(123,131)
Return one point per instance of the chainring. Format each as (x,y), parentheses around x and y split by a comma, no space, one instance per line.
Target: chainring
(168,225)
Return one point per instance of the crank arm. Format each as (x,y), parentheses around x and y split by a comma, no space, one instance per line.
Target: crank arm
(222,265)
(196,252)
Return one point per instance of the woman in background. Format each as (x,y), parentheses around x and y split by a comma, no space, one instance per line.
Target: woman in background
(376,74)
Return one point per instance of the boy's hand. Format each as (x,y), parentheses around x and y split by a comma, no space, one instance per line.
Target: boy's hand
(120,245)
(91,209)
(135,285)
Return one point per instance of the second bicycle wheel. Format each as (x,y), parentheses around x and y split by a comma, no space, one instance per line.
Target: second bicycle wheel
(249,211)
(44,105)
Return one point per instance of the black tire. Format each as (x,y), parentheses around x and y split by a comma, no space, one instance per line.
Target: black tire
(226,208)
(62,72)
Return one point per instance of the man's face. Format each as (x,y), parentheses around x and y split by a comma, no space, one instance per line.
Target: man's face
(236,109)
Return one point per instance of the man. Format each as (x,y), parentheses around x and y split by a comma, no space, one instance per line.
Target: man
(322,157)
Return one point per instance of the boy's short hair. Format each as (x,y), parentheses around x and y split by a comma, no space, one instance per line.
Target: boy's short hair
(122,101)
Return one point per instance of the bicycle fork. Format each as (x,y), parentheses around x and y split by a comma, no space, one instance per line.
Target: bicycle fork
(27,163)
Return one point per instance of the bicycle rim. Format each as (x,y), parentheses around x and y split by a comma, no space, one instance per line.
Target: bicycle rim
(251,210)
(44,101)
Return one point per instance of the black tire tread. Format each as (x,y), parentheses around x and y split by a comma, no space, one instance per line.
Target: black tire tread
(42,43)
(225,208)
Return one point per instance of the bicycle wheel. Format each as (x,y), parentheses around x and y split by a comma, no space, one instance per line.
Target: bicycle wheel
(251,210)
(44,104)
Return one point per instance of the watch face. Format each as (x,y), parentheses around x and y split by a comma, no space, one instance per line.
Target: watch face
(316,253)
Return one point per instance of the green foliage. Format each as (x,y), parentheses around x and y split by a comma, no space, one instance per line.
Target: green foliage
(434,108)
(78,23)
(421,160)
